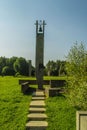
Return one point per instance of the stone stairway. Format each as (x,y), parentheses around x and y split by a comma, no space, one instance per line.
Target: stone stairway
(37,117)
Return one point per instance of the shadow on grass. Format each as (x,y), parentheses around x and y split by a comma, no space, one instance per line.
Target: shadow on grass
(61,95)
(29,91)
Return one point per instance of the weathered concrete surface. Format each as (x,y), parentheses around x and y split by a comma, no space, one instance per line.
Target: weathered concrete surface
(51,92)
(36,125)
(39,93)
(38,98)
(36,110)
(37,116)
(81,120)
(37,103)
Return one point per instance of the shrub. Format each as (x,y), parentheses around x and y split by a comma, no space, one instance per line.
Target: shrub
(77,70)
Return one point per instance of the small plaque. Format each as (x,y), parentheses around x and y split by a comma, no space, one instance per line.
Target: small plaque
(81,120)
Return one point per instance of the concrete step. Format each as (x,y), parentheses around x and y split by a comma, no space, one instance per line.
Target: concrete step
(38,94)
(36,125)
(39,103)
(36,110)
(37,116)
(38,98)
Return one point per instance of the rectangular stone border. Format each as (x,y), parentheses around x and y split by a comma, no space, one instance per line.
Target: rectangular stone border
(79,114)
(52,83)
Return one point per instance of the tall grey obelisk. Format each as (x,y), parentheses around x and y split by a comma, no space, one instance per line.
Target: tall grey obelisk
(40,52)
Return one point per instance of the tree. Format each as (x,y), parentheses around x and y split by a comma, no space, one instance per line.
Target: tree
(55,68)
(21,66)
(77,61)
(2,63)
(51,67)
(60,65)
(76,68)
(15,65)
(6,71)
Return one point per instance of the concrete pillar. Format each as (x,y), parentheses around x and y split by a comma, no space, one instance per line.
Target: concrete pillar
(39,53)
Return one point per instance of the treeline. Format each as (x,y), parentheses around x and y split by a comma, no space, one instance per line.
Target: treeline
(55,68)
(20,66)
(14,66)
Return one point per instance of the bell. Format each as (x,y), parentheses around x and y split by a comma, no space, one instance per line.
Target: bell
(40,29)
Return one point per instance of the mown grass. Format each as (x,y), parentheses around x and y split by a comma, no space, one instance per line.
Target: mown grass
(61,115)
(14,108)
(13,105)
(46,78)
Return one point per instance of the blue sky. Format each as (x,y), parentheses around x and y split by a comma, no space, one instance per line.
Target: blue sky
(66,23)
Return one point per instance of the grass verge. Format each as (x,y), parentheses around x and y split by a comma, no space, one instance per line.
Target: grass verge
(13,105)
(61,115)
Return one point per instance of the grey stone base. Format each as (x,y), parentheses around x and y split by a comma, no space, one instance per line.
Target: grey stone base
(51,92)
(36,125)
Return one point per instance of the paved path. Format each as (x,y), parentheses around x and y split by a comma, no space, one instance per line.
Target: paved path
(37,117)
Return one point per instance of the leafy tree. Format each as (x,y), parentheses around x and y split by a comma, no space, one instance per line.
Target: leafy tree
(51,67)
(21,66)
(15,65)
(76,68)
(7,70)
(60,67)
(33,71)
(77,60)
(55,68)
(11,61)
(2,63)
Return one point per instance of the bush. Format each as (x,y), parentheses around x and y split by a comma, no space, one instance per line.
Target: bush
(77,70)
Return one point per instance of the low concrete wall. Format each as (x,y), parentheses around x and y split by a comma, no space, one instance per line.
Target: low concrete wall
(57,83)
(26,89)
(51,92)
(30,81)
(52,83)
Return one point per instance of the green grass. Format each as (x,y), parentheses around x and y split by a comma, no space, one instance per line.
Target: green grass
(14,108)
(46,78)
(55,77)
(61,115)
(13,105)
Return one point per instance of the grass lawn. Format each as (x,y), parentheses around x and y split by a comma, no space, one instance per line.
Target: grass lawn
(61,115)
(13,105)
(46,78)
(14,108)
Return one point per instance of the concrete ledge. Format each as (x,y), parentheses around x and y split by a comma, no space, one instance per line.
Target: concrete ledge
(36,110)
(51,92)
(37,104)
(57,83)
(36,125)
(24,87)
(81,120)
(38,98)
(37,116)
(38,94)
(52,83)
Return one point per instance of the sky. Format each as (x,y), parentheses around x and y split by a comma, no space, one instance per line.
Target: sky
(66,23)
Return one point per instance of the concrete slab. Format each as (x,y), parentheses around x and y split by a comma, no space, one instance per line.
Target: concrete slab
(39,93)
(37,116)
(38,98)
(36,110)
(36,125)
(81,120)
(36,103)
